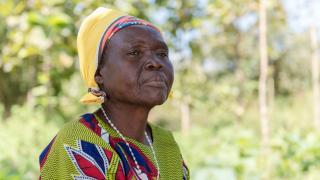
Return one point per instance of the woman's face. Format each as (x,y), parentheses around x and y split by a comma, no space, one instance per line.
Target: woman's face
(136,68)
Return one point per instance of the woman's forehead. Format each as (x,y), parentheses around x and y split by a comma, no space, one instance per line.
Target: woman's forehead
(138,34)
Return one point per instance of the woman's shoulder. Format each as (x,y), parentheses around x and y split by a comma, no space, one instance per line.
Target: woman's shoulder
(168,153)
(86,127)
(162,134)
(75,147)
(160,130)
(72,128)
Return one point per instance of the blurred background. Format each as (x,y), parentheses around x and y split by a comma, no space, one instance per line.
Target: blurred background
(246,96)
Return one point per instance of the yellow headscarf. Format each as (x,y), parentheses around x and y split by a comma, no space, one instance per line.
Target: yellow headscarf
(88,42)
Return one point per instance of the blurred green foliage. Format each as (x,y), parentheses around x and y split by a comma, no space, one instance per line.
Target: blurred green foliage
(213,46)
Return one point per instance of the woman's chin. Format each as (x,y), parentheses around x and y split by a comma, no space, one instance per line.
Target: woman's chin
(155,100)
(152,96)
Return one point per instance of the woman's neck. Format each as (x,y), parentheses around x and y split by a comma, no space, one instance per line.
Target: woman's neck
(130,120)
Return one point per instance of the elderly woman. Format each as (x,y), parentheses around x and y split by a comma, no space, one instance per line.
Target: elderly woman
(124,62)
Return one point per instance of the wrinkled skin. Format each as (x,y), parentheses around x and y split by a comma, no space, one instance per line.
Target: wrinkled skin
(136,68)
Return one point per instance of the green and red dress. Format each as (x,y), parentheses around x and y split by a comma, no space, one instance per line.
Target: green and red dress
(89,149)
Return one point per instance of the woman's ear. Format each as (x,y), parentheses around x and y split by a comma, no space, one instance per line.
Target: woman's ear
(98,78)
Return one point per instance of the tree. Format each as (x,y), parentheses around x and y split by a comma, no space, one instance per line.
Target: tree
(315,67)
(264,119)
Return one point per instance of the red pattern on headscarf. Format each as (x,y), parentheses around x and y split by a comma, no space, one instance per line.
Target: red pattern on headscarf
(119,24)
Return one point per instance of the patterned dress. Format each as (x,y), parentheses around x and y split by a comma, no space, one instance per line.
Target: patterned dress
(89,149)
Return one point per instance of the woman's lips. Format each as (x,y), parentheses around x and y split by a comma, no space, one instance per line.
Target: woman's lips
(157,84)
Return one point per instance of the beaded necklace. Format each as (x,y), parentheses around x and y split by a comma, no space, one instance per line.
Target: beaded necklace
(138,170)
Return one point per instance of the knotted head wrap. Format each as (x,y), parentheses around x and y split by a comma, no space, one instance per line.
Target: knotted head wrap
(95,31)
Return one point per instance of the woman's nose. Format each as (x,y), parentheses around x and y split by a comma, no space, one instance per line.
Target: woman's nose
(153,64)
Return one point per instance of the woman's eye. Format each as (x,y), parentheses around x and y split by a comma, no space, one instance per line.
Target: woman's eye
(133,53)
(162,54)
